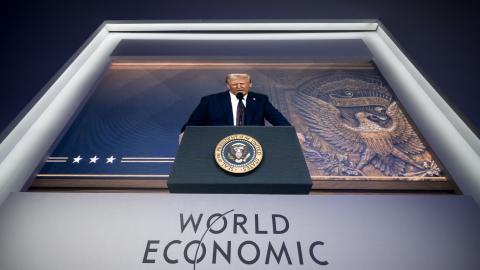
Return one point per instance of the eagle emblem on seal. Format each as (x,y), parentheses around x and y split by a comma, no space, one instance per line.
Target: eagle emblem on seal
(238,153)
(360,133)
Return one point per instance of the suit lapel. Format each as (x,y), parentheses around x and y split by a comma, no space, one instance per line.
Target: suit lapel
(251,107)
(227,108)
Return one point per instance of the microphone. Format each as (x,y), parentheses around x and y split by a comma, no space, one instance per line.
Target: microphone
(239,95)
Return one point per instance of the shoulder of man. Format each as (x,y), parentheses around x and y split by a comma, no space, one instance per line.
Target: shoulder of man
(258,96)
(216,95)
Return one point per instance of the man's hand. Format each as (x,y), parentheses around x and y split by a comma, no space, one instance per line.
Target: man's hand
(180,136)
(301,138)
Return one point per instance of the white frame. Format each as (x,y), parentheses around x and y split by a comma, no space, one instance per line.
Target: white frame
(29,140)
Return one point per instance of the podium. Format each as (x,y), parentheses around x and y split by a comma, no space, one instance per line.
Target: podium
(282,170)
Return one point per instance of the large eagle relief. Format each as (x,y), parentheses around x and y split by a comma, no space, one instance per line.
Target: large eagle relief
(355,128)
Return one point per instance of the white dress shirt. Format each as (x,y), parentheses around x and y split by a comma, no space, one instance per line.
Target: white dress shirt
(234,103)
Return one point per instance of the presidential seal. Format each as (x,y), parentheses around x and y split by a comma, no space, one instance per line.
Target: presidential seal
(238,153)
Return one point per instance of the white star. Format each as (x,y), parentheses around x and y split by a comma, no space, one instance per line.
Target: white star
(77,159)
(93,159)
(110,159)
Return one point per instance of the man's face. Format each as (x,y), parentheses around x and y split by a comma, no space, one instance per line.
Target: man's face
(239,84)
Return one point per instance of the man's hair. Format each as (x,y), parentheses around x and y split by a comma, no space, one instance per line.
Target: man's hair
(231,75)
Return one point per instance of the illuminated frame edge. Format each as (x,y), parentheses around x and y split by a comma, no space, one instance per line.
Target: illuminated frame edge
(11,150)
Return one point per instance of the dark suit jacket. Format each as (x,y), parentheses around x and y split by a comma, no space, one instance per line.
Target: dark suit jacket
(216,110)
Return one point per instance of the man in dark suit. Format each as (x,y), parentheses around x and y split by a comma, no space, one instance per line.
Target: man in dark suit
(237,106)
